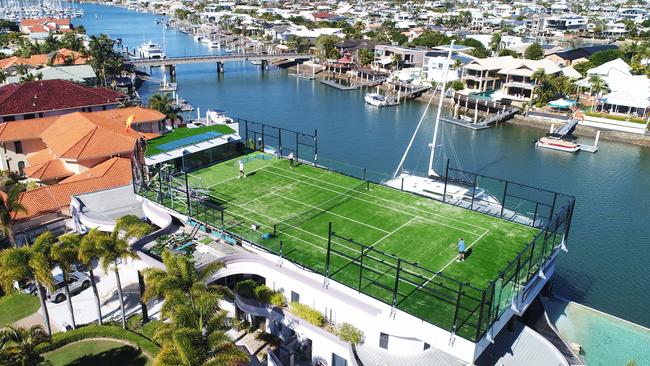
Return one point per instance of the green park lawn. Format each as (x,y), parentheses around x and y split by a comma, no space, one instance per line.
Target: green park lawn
(17,306)
(96,352)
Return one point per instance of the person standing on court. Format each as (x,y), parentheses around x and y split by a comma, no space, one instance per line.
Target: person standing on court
(241,170)
(290,157)
(461,250)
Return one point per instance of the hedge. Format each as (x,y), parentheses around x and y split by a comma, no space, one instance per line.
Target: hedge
(308,313)
(95,331)
(252,290)
(615,117)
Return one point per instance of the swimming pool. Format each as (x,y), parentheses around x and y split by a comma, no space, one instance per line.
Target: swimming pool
(486,95)
(605,339)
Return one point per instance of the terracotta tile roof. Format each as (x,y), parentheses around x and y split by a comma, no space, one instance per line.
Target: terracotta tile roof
(114,172)
(40,157)
(142,115)
(45,25)
(25,130)
(81,136)
(47,170)
(48,95)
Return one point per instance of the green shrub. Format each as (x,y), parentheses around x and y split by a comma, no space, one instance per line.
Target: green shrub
(263,293)
(349,333)
(246,288)
(615,117)
(308,313)
(277,299)
(95,331)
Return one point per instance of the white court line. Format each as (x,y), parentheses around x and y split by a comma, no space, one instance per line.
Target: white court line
(377,204)
(235,177)
(272,191)
(329,212)
(393,232)
(386,199)
(453,260)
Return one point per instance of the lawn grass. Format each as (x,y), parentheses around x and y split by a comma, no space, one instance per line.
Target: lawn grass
(17,306)
(303,200)
(154,145)
(95,352)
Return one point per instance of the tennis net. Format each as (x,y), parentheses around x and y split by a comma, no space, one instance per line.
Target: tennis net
(319,209)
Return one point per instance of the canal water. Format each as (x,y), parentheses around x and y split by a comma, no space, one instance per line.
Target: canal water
(609,249)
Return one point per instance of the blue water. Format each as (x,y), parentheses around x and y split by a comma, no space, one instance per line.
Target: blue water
(605,340)
(609,255)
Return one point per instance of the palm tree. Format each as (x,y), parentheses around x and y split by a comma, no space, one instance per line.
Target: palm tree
(194,331)
(21,69)
(28,263)
(117,247)
(396,60)
(65,254)
(366,56)
(495,43)
(10,206)
(18,345)
(89,252)
(163,103)
(597,84)
(538,76)
(3,76)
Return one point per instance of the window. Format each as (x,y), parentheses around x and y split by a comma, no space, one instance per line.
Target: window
(383,340)
(338,360)
(21,167)
(18,147)
(29,116)
(426,346)
(295,297)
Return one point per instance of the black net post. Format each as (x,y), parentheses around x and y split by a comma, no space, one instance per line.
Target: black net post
(503,200)
(364,173)
(187,194)
(281,248)
(471,207)
(550,218)
(297,146)
(480,316)
(315,147)
(444,192)
(223,227)
(457,310)
(569,217)
(280,140)
(246,132)
(396,287)
(329,251)
(262,144)
(275,229)
(160,189)
(363,253)
(535,214)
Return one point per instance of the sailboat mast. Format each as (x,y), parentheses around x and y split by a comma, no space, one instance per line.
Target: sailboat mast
(442,97)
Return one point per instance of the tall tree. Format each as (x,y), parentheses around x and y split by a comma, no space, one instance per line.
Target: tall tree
(193,333)
(28,263)
(118,248)
(64,254)
(538,75)
(534,52)
(18,345)
(89,253)
(495,43)
(10,206)
(366,56)
(164,104)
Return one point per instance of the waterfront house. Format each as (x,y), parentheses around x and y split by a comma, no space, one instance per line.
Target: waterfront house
(409,57)
(505,76)
(45,98)
(44,26)
(627,93)
(434,62)
(71,154)
(577,55)
(51,148)
(83,74)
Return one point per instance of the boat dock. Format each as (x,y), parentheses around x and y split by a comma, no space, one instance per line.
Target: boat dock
(339,86)
(565,129)
(464,123)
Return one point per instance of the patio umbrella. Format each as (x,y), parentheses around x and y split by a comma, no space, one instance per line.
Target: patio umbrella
(562,103)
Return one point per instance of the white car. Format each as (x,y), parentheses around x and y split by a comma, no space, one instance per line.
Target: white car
(77,282)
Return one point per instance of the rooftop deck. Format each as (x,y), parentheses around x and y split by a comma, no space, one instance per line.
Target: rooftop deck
(397,247)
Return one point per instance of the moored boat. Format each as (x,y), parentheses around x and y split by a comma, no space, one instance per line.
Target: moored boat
(557,144)
(376,99)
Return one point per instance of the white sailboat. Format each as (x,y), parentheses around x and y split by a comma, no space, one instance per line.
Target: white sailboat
(433,185)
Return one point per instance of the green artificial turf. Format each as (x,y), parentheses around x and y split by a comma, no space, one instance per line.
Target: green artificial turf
(95,352)
(153,145)
(303,200)
(17,306)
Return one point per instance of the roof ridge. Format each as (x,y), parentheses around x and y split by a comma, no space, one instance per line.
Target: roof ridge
(86,137)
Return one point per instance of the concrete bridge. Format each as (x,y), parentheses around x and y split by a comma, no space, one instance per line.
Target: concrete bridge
(181,60)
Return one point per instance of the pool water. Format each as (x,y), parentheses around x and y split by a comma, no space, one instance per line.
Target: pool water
(486,95)
(605,339)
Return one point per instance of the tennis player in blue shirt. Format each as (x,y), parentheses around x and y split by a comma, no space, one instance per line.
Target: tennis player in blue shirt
(461,250)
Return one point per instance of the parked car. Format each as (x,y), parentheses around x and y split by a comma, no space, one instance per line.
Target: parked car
(77,282)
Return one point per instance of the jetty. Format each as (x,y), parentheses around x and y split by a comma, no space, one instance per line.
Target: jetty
(340,86)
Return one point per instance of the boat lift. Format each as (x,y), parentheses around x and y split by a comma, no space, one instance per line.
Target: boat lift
(568,128)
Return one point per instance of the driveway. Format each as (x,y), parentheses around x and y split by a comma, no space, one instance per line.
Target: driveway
(84,302)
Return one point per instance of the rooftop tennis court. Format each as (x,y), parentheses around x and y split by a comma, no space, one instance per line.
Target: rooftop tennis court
(182,137)
(379,222)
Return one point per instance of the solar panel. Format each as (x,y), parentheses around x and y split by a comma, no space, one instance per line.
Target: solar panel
(190,140)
